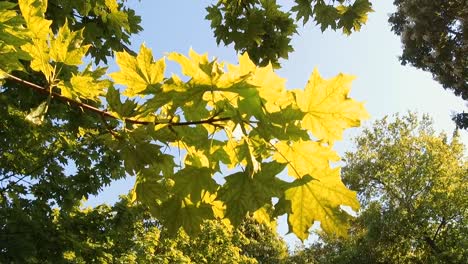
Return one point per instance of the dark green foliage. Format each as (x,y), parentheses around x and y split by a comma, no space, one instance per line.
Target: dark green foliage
(264,29)
(434,35)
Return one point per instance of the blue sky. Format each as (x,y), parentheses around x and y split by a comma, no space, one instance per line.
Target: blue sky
(371,54)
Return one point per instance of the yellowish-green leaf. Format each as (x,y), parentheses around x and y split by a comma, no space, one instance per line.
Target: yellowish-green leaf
(263,216)
(196,158)
(38,50)
(66,46)
(197,66)
(270,86)
(36,116)
(328,108)
(138,73)
(33,13)
(87,87)
(319,199)
(39,30)
(304,157)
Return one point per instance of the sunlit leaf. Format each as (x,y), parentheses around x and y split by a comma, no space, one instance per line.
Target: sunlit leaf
(304,157)
(328,108)
(139,72)
(324,193)
(66,46)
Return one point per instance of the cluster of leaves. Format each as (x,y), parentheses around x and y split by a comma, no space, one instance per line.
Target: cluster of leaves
(175,135)
(264,30)
(107,25)
(434,37)
(413,186)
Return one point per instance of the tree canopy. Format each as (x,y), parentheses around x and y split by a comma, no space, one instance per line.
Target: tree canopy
(434,37)
(412,185)
(206,145)
(264,29)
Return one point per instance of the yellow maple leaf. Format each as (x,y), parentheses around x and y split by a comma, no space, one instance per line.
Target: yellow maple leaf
(328,108)
(324,195)
(137,73)
(196,66)
(270,86)
(304,157)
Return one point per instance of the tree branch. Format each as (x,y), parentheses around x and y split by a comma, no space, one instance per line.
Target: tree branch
(441,225)
(104,113)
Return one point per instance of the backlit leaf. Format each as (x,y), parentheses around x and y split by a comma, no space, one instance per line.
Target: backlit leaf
(304,157)
(139,72)
(66,46)
(243,193)
(328,108)
(318,198)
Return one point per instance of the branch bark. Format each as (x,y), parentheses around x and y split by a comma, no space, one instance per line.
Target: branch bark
(104,113)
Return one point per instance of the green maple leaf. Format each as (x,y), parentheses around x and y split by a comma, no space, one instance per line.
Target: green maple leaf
(282,125)
(304,11)
(139,72)
(352,17)
(318,199)
(326,16)
(243,193)
(150,189)
(195,183)
(123,110)
(178,212)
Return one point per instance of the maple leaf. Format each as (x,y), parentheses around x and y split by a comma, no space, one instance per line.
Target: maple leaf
(353,16)
(66,46)
(33,13)
(85,85)
(264,81)
(318,199)
(182,212)
(195,183)
(197,66)
(243,193)
(138,72)
(38,29)
(328,108)
(304,157)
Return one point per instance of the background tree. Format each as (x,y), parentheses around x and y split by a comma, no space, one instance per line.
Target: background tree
(126,233)
(67,132)
(412,184)
(434,36)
